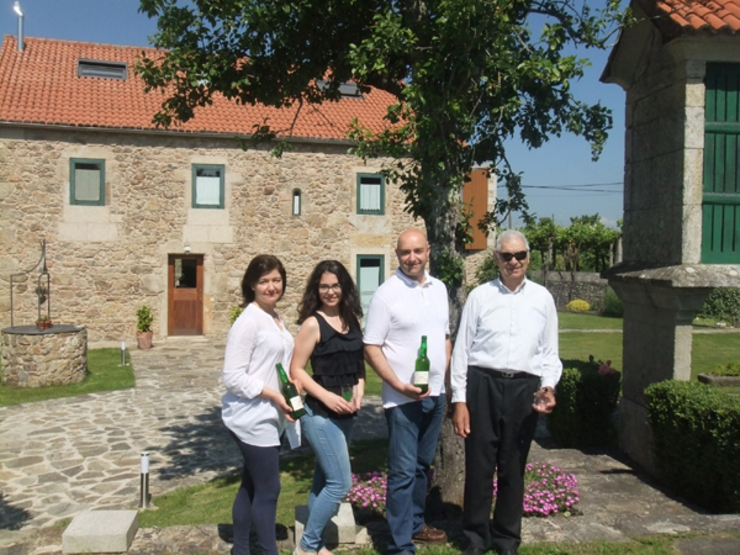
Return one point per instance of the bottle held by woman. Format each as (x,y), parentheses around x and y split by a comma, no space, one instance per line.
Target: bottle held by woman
(330,337)
(254,409)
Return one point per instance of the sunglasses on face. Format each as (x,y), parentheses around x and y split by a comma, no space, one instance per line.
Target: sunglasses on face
(507,256)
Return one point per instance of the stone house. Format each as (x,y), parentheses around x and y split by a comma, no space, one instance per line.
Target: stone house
(133,214)
(680,68)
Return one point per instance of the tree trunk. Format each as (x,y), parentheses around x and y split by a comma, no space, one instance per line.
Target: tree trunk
(446,496)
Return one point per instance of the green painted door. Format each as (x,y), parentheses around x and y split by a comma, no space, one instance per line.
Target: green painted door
(721,199)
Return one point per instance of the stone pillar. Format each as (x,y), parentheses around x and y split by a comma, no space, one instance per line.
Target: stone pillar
(656,346)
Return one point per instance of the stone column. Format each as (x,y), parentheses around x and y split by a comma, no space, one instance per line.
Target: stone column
(656,346)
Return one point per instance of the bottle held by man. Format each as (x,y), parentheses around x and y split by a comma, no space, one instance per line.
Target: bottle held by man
(291,394)
(421,371)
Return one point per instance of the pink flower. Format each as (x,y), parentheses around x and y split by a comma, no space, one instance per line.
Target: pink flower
(606,368)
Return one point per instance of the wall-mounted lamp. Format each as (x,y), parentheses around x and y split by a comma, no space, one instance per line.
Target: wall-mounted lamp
(186,247)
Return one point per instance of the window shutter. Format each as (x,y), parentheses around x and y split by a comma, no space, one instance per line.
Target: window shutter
(475,198)
(721,197)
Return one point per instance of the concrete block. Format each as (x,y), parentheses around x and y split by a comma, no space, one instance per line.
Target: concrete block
(100,532)
(341,529)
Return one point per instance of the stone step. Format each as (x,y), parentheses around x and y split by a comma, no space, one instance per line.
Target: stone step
(100,532)
(340,530)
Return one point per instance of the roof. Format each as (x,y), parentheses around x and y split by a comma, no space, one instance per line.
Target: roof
(702,16)
(39,85)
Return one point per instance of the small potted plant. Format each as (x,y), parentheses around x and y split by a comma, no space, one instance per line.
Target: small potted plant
(43,323)
(144,327)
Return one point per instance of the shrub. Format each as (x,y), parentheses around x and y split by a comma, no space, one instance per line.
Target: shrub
(696,431)
(613,304)
(729,369)
(234,314)
(578,305)
(144,319)
(547,490)
(722,304)
(587,396)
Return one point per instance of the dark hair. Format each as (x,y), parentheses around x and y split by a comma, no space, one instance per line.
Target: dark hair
(350,310)
(259,266)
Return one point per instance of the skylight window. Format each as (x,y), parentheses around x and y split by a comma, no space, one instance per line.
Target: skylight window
(102,69)
(347,89)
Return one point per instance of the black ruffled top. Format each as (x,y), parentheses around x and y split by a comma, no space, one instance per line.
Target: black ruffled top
(337,360)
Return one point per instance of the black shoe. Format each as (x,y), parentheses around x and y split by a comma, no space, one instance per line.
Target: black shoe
(472,550)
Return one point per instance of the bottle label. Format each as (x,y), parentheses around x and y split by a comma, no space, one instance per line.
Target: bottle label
(421,378)
(296,403)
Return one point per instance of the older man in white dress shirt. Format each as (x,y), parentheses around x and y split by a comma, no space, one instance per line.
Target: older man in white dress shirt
(504,367)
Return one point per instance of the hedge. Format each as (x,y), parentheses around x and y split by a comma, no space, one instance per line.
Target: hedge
(586,401)
(722,303)
(696,430)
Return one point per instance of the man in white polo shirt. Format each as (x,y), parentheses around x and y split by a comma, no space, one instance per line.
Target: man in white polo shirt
(406,307)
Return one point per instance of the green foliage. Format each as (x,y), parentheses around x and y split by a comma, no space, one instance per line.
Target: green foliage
(104,373)
(583,246)
(488,270)
(587,396)
(234,313)
(729,369)
(144,319)
(578,305)
(722,304)
(465,77)
(613,304)
(696,431)
(450,268)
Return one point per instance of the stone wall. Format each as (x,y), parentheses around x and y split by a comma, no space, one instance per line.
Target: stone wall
(49,358)
(664,142)
(106,261)
(566,287)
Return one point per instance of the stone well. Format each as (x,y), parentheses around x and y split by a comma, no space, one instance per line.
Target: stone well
(34,358)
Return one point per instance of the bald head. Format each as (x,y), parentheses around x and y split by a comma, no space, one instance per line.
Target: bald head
(409,236)
(412,250)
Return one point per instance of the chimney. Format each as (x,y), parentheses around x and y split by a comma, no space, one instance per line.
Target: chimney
(17,8)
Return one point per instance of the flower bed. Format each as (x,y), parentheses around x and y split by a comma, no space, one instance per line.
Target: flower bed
(548,490)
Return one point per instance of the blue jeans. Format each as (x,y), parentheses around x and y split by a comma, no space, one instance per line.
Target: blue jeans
(413,431)
(332,477)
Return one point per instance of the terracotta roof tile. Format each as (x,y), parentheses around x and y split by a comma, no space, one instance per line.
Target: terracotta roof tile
(40,85)
(702,15)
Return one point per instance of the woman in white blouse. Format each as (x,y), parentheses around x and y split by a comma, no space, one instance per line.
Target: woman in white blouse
(254,409)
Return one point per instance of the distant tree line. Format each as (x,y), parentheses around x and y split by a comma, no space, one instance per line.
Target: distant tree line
(586,245)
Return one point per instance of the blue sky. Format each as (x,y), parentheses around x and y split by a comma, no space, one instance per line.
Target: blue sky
(563,162)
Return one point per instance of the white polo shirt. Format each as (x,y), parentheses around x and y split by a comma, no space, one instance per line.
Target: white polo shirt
(400,312)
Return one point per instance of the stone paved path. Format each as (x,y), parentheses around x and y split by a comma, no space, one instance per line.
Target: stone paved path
(62,456)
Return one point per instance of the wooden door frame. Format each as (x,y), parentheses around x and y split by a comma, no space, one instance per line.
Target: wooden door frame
(171,287)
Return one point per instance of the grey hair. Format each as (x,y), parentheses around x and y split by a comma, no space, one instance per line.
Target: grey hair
(508,235)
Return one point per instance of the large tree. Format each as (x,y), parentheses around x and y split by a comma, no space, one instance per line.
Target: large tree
(468,76)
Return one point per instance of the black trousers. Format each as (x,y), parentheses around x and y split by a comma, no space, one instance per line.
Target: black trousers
(502,426)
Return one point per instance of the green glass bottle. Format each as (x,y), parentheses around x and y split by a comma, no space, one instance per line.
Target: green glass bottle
(291,394)
(421,370)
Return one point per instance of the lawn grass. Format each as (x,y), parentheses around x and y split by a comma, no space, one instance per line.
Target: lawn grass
(587,321)
(210,503)
(708,350)
(105,373)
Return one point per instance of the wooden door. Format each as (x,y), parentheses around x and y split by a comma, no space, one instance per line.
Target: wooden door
(185,294)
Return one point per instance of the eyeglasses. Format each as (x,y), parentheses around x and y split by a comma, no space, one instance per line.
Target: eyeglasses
(324,288)
(507,256)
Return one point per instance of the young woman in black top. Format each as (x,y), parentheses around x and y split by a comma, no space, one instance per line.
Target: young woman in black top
(331,338)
